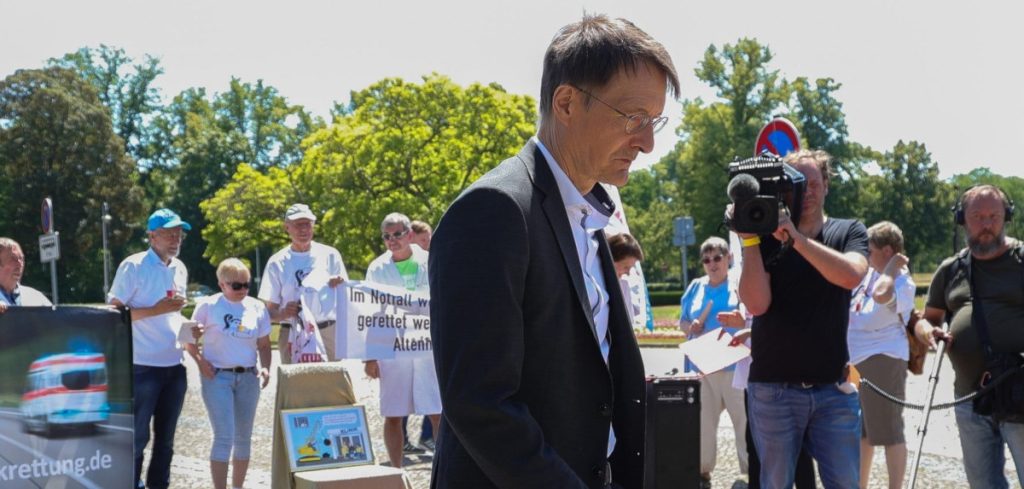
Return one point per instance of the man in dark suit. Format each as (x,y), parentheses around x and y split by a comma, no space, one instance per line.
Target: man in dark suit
(541,378)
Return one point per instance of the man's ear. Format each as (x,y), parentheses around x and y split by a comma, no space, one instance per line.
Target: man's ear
(562,103)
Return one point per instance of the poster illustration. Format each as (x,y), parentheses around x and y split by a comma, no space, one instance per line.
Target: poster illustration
(66,398)
(335,436)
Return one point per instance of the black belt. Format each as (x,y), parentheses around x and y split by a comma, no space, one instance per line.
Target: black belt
(320,325)
(237,370)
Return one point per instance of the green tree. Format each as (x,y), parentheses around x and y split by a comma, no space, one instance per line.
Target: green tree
(694,176)
(396,147)
(909,193)
(56,140)
(248,213)
(199,141)
(124,87)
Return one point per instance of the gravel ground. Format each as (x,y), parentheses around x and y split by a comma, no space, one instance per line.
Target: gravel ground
(940,465)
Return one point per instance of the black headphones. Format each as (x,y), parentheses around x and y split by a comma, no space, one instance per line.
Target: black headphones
(958,208)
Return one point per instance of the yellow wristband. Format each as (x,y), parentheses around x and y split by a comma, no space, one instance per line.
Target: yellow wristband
(751,241)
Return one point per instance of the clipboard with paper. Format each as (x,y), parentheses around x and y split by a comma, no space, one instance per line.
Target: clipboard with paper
(711,352)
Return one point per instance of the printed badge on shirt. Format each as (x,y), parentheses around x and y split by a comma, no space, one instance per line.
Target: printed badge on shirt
(234,327)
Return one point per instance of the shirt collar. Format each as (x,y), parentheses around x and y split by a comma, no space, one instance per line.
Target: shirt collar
(597,203)
(12,298)
(155,258)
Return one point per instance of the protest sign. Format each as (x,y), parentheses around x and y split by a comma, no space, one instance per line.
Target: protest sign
(382,322)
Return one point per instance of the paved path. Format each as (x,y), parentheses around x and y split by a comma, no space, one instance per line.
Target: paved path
(940,468)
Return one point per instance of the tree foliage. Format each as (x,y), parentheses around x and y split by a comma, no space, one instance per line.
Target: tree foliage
(57,140)
(200,140)
(124,87)
(396,147)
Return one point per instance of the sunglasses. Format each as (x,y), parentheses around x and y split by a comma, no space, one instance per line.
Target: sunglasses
(708,259)
(394,235)
(239,285)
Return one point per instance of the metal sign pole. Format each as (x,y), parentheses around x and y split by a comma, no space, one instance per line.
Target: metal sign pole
(53,281)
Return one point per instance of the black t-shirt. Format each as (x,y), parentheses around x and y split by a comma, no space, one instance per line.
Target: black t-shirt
(999,285)
(802,336)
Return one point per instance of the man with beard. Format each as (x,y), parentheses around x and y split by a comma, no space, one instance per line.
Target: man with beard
(993,262)
(152,285)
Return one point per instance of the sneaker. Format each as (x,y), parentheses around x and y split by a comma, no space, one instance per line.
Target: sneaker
(410,448)
(428,444)
(705,483)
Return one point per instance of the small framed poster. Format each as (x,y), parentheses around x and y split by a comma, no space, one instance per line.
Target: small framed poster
(325,437)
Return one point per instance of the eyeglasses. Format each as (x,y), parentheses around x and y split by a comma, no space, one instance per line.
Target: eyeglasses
(636,122)
(708,259)
(239,285)
(172,235)
(394,235)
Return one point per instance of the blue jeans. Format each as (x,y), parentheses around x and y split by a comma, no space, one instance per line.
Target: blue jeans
(158,395)
(983,441)
(230,400)
(785,416)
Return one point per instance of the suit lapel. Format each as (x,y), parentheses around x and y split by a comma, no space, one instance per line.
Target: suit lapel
(554,211)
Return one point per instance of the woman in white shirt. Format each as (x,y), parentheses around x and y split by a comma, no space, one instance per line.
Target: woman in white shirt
(877,340)
(235,331)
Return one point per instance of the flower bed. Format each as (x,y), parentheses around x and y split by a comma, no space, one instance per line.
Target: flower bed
(666,333)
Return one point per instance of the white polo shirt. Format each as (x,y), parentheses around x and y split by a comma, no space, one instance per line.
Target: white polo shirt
(25,296)
(141,281)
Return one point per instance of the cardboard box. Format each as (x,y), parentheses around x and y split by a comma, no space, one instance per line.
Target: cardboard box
(358,477)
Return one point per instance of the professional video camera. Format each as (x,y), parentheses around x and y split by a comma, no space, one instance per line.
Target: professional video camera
(759,187)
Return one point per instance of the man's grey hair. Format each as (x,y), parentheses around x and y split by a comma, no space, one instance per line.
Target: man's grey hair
(396,218)
(8,245)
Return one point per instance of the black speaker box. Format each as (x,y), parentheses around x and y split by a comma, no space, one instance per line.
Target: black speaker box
(673,433)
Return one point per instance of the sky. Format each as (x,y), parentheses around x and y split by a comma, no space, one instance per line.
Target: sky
(942,73)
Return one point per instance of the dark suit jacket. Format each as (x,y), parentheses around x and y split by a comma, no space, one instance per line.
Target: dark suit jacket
(527,397)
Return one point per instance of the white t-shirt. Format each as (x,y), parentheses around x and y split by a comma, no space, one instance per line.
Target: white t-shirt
(26,296)
(877,329)
(141,281)
(286,269)
(232,329)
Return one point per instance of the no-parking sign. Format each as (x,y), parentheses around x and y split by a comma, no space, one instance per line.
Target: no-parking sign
(779,137)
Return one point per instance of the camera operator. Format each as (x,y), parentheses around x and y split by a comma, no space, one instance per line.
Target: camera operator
(798,391)
(994,263)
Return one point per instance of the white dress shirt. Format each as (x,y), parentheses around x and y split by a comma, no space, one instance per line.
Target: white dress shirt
(585,220)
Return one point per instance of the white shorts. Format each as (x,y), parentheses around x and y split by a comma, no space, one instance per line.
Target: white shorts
(408,387)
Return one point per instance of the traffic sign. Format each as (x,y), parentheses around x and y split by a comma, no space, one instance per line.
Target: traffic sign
(778,137)
(47,215)
(682,232)
(49,247)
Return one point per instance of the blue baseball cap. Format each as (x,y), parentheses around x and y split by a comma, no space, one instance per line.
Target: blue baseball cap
(166,218)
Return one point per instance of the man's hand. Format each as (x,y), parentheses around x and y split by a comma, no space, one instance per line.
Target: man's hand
(728,218)
(335,281)
(291,309)
(372,369)
(169,305)
(787,230)
(3,308)
(928,334)
(198,330)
